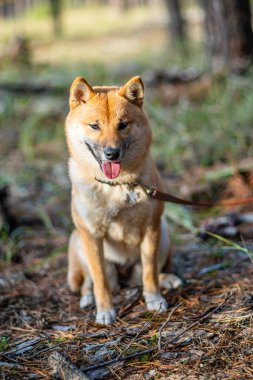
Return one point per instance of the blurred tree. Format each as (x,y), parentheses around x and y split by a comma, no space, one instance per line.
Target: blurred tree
(177,29)
(7,8)
(21,52)
(56,12)
(17,51)
(123,5)
(120,5)
(13,8)
(229,38)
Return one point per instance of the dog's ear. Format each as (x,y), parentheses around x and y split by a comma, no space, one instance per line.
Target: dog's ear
(80,92)
(133,91)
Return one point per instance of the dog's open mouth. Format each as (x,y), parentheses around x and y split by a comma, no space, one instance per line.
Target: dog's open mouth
(111,169)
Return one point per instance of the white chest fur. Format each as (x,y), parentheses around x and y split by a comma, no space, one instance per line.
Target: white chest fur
(109,210)
(102,207)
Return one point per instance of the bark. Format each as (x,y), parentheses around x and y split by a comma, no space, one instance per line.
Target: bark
(120,5)
(123,5)
(229,38)
(56,12)
(8,8)
(64,368)
(176,25)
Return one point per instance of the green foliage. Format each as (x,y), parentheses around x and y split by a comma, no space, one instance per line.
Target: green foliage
(219,129)
(153,340)
(232,245)
(144,358)
(47,259)
(215,250)
(59,339)
(37,130)
(180,216)
(4,343)
(9,245)
(39,12)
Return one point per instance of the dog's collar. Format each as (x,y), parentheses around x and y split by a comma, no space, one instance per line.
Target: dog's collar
(152,192)
(114,183)
(131,185)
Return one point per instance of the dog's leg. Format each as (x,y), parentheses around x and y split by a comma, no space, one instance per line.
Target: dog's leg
(88,298)
(167,280)
(87,295)
(75,274)
(78,273)
(93,248)
(165,248)
(149,252)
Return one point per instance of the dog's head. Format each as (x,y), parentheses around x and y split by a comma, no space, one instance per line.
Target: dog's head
(107,128)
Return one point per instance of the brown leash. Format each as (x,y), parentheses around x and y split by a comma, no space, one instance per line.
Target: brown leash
(154,193)
(166,197)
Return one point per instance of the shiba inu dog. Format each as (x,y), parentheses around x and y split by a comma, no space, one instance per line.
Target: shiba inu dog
(109,137)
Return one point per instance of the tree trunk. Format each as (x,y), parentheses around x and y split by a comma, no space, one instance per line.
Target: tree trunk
(56,12)
(8,8)
(229,38)
(119,5)
(177,30)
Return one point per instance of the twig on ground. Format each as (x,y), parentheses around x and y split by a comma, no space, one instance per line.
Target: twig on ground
(115,374)
(152,350)
(12,280)
(63,366)
(125,309)
(117,360)
(201,319)
(45,350)
(139,332)
(12,365)
(159,345)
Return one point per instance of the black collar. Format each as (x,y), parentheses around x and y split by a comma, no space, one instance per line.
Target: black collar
(110,183)
(131,185)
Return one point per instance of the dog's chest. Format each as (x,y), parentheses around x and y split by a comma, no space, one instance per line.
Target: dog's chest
(112,211)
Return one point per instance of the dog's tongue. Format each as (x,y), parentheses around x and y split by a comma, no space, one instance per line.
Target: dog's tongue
(111,169)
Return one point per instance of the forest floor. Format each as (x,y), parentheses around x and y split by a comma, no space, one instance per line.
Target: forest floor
(209,333)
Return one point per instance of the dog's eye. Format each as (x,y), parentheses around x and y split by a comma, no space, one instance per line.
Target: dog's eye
(94,126)
(122,125)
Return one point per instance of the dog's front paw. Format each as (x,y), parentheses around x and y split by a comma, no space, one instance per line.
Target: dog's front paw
(169,281)
(87,300)
(106,317)
(156,302)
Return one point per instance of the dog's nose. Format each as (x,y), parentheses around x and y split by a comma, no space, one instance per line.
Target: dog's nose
(112,153)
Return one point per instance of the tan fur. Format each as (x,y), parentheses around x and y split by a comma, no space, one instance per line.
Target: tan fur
(113,223)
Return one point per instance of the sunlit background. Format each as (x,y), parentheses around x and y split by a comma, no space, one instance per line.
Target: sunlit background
(198,92)
(195,58)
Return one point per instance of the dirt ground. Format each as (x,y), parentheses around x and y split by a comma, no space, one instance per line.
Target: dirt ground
(208,334)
